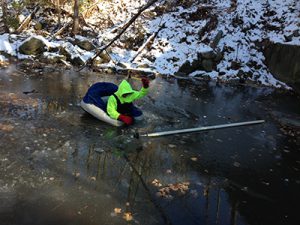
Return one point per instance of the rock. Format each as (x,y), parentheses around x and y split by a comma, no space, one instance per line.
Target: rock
(77,61)
(187,67)
(296,33)
(63,51)
(219,56)
(207,65)
(109,71)
(144,66)
(288,38)
(122,65)
(208,55)
(52,58)
(102,59)
(235,65)
(216,40)
(38,26)
(97,61)
(283,62)
(85,45)
(105,57)
(33,46)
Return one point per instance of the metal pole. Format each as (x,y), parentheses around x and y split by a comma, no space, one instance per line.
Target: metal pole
(164,133)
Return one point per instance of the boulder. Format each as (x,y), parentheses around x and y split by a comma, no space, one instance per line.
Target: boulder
(85,45)
(105,57)
(77,60)
(38,26)
(208,54)
(33,46)
(143,66)
(216,40)
(122,65)
(283,62)
(52,58)
(219,56)
(187,67)
(208,65)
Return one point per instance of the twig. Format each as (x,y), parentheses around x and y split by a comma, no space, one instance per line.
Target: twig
(25,22)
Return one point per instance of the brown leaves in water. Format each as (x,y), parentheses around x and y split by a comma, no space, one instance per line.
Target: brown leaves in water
(126,215)
(179,188)
(6,127)
(18,100)
(156,183)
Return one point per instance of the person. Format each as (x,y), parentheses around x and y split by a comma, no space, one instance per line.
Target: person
(120,99)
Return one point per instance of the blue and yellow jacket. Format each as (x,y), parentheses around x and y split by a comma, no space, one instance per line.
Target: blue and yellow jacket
(98,90)
(124,88)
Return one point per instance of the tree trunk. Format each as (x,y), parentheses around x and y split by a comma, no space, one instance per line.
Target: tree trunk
(58,12)
(3,23)
(76,18)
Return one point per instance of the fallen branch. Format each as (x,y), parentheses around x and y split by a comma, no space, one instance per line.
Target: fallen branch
(25,23)
(63,28)
(147,43)
(121,32)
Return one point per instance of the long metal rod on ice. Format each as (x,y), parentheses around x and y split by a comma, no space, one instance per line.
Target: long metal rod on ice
(197,129)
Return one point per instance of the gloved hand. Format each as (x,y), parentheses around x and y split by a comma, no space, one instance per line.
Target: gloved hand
(126,119)
(145,82)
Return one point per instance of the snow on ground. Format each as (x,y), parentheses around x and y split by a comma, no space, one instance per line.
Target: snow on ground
(243,25)
(179,41)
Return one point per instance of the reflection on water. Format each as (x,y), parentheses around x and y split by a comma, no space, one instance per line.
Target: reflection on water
(61,166)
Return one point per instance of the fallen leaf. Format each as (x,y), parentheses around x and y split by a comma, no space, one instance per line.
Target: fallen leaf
(236,164)
(93,178)
(76,174)
(156,183)
(6,127)
(168,171)
(117,210)
(194,159)
(127,216)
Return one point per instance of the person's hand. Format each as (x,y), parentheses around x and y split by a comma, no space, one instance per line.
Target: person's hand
(145,82)
(126,119)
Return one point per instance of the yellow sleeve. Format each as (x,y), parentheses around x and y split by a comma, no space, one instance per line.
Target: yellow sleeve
(141,93)
(112,107)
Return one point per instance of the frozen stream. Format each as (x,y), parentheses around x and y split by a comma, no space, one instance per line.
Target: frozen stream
(58,165)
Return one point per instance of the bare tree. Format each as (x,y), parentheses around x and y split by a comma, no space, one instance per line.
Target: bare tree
(76,18)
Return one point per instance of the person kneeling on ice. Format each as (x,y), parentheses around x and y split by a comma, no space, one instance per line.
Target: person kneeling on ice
(120,101)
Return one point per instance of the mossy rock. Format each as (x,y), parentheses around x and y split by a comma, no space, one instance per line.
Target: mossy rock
(85,45)
(76,61)
(52,59)
(38,26)
(33,46)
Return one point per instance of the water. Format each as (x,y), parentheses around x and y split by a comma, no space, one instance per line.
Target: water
(61,166)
